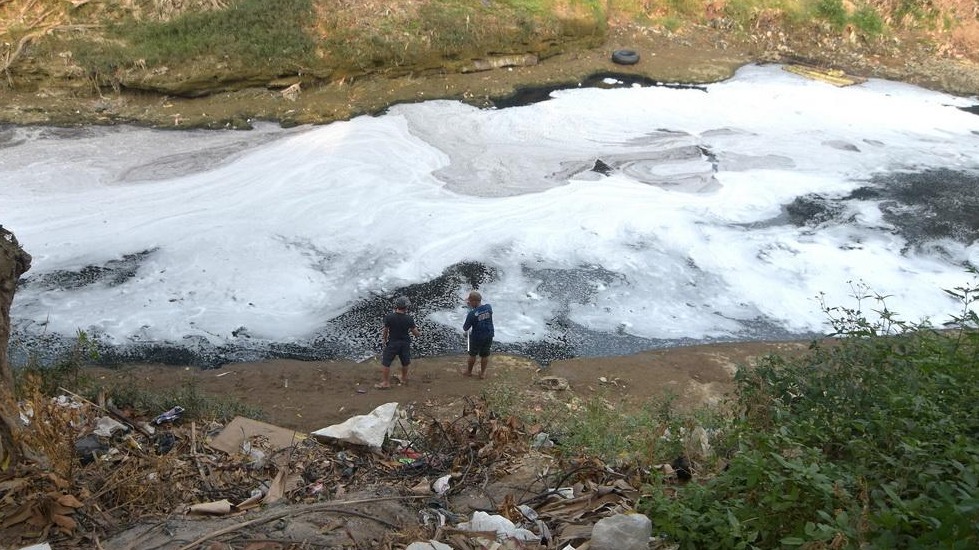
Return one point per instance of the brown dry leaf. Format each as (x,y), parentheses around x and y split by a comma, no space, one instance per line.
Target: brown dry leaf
(66,523)
(69,501)
(570,532)
(13,484)
(575,509)
(508,508)
(37,519)
(19,516)
(58,481)
(55,508)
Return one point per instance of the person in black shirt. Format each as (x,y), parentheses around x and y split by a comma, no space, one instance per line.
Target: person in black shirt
(399,327)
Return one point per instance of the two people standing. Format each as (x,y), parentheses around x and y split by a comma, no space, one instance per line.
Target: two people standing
(399,327)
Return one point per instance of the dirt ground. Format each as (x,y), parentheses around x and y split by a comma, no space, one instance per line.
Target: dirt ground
(307,396)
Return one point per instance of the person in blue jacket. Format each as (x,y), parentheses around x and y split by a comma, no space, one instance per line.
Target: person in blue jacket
(479,326)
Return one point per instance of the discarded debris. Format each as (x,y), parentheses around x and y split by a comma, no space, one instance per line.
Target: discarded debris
(241,430)
(105,482)
(368,429)
(169,416)
(499,527)
(218,507)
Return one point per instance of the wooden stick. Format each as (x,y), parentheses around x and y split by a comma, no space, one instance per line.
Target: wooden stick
(324,507)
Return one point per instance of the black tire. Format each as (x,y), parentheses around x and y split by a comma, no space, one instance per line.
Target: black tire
(625,57)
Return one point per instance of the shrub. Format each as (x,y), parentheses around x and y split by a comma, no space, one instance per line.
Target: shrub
(868,441)
(833,12)
(868,21)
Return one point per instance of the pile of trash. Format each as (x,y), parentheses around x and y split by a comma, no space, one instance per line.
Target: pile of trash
(99,471)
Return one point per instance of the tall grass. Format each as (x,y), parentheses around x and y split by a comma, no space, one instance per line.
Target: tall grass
(246,34)
(256,32)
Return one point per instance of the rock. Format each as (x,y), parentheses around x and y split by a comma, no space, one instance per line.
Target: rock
(555,383)
(542,441)
(106,426)
(496,62)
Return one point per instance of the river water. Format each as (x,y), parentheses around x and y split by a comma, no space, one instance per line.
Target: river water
(600,220)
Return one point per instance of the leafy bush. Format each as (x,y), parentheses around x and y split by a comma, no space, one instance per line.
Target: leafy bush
(833,12)
(655,433)
(868,21)
(868,441)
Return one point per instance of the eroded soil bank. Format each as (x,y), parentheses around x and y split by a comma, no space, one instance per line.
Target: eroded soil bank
(697,55)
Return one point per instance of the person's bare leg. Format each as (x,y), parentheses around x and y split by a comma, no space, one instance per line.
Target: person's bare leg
(404,375)
(470,362)
(483,363)
(385,377)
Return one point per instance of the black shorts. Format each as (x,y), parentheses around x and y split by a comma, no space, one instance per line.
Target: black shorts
(402,350)
(480,348)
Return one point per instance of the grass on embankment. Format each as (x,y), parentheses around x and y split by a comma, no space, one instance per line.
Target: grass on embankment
(333,38)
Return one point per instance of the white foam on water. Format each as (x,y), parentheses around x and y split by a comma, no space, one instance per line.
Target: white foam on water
(279,231)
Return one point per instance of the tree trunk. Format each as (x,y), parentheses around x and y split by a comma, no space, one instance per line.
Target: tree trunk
(14,262)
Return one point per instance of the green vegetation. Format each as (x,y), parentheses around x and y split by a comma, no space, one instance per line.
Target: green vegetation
(833,12)
(336,38)
(68,373)
(872,442)
(253,30)
(869,440)
(428,32)
(197,404)
(868,21)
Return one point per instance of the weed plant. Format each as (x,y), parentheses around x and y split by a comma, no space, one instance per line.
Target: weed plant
(656,433)
(868,21)
(36,381)
(196,403)
(869,441)
(833,12)
(65,371)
